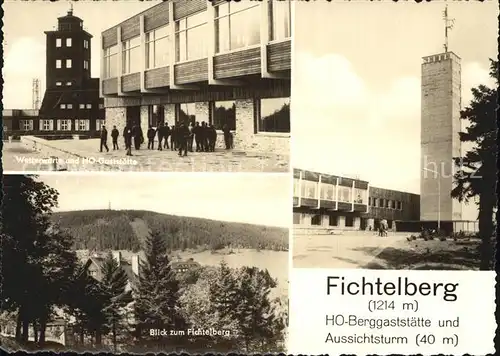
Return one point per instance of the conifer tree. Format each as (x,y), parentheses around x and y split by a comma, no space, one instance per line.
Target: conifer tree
(257,319)
(224,294)
(476,176)
(157,294)
(114,283)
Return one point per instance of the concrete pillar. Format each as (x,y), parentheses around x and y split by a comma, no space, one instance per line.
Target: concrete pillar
(169,114)
(144,120)
(116,116)
(244,134)
(306,219)
(341,222)
(143,53)
(357,223)
(370,222)
(325,220)
(120,59)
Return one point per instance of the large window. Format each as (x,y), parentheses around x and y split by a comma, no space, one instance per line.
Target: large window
(186,113)
(296,187)
(190,37)
(69,63)
(68,42)
(345,194)
(64,125)
(349,221)
(309,189)
(46,125)
(85,44)
(58,42)
(27,125)
(99,123)
(273,115)
(82,125)
(58,63)
(224,113)
(131,56)
(111,62)
(327,191)
(157,47)
(360,196)
(156,115)
(281,23)
(296,218)
(237,25)
(333,220)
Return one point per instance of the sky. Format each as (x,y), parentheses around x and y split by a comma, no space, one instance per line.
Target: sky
(262,199)
(356,82)
(24,39)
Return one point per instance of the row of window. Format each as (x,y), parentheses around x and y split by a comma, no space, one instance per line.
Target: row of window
(69,42)
(69,64)
(63,124)
(317,220)
(70,106)
(307,189)
(237,26)
(385,203)
(272,114)
(68,84)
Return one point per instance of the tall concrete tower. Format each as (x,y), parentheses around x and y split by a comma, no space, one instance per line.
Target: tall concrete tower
(439,138)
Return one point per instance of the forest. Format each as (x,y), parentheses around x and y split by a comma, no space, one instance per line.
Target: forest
(127,230)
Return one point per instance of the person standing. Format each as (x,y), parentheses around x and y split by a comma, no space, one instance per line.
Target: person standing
(160,131)
(191,136)
(151,138)
(114,136)
(227,136)
(104,138)
(183,136)
(212,138)
(138,136)
(127,136)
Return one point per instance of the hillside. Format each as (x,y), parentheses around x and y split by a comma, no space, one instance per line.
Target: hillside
(127,229)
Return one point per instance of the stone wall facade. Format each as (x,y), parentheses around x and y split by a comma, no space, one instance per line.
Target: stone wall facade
(116,116)
(246,137)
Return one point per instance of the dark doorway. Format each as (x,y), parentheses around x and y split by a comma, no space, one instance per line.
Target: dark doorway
(363,224)
(134,115)
(316,220)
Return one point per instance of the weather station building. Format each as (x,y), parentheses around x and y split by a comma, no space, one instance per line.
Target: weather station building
(219,62)
(71,104)
(325,202)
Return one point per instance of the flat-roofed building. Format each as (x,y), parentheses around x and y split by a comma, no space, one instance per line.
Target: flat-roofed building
(219,62)
(334,202)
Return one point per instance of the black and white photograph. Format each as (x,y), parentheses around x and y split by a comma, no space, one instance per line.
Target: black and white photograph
(394,151)
(151,263)
(157,86)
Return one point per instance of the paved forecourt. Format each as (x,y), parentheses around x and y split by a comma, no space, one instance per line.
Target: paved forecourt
(84,155)
(347,250)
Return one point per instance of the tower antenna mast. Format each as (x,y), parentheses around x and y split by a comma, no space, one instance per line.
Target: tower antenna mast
(448,25)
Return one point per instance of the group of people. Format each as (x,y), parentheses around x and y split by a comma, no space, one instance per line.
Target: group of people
(382,229)
(193,137)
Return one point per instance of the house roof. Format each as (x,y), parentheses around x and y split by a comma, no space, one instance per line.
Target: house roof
(98,260)
(53,98)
